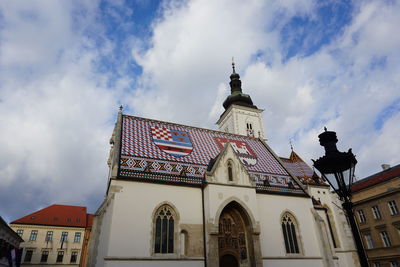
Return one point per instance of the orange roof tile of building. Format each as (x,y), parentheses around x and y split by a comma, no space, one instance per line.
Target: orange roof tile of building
(59,215)
(89,220)
(377,178)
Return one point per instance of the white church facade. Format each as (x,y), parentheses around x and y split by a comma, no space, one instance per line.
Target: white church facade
(185,196)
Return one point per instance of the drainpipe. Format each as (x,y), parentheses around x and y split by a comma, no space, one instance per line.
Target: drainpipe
(204,225)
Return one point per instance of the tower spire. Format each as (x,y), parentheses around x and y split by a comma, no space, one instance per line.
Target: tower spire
(241,116)
(237,96)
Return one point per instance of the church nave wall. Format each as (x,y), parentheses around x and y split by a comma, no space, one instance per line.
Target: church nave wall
(134,221)
(272,209)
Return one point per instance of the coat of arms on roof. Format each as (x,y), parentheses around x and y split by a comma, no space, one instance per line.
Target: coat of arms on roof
(246,155)
(174,142)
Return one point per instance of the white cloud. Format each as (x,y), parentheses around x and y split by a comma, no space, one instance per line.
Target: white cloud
(336,86)
(57,110)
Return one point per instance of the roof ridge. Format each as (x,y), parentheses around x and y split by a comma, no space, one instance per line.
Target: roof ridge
(377,178)
(394,168)
(67,206)
(189,126)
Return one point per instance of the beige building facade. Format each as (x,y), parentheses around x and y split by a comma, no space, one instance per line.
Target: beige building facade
(40,250)
(377,207)
(53,236)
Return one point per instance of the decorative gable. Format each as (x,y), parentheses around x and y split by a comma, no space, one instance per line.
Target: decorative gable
(228,168)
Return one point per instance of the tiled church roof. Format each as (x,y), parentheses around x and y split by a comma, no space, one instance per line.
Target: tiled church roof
(298,167)
(58,215)
(171,152)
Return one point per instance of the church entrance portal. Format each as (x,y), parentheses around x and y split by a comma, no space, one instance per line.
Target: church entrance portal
(228,260)
(234,237)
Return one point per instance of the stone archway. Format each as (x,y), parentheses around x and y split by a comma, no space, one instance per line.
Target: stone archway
(228,260)
(235,237)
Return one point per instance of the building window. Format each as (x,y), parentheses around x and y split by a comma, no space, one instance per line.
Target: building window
(60,256)
(393,207)
(77,237)
(289,234)
(249,129)
(74,256)
(230,173)
(49,236)
(376,212)
(64,236)
(20,232)
(368,240)
(45,256)
(385,239)
(28,256)
(33,235)
(361,216)
(393,264)
(164,230)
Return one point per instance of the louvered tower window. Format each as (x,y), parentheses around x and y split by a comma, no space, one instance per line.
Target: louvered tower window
(249,129)
(164,230)
(289,229)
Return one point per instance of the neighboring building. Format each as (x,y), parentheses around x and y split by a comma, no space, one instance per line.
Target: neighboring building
(185,196)
(56,235)
(9,240)
(377,208)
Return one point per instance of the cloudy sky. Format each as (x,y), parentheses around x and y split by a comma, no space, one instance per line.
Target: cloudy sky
(66,66)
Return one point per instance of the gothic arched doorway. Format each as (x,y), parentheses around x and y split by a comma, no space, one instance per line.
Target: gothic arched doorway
(235,244)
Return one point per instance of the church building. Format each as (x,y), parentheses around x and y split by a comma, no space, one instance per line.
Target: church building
(180,195)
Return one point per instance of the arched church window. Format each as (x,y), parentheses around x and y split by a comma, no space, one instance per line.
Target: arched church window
(289,229)
(164,230)
(230,172)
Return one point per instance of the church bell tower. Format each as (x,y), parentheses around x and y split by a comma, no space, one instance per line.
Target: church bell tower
(241,116)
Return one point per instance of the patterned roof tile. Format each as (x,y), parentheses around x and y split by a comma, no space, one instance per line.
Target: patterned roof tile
(163,151)
(137,142)
(303,172)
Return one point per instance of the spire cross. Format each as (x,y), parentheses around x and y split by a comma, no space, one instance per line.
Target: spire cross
(291,146)
(233,65)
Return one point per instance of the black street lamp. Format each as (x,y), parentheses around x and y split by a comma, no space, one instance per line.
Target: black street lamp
(338,169)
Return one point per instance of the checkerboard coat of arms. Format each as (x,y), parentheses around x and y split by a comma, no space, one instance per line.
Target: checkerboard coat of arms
(174,142)
(242,149)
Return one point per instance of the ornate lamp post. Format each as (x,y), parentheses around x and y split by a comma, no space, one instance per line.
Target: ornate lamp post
(338,169)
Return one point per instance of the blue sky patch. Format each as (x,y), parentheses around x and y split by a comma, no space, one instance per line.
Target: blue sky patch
(387,113)
(304,35)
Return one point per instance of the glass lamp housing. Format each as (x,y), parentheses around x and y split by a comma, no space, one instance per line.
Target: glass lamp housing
(336,167)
